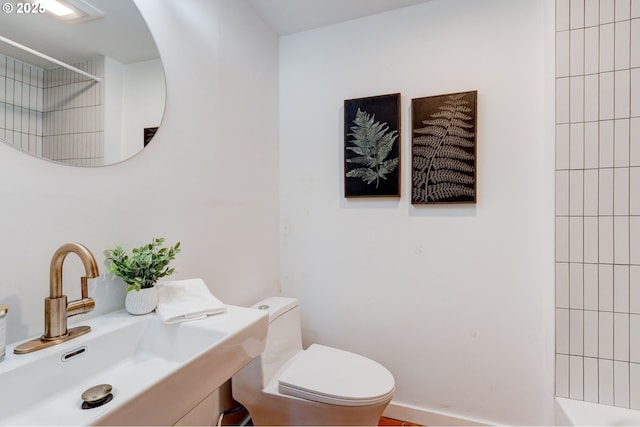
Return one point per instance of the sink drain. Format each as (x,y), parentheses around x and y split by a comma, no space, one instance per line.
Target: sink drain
(97,396)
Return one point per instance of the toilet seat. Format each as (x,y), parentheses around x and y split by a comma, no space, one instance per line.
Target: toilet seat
(337,377)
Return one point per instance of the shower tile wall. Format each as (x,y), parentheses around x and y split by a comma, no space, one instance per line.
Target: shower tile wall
(598,201)
(53,113)
(21,104)
(74,115)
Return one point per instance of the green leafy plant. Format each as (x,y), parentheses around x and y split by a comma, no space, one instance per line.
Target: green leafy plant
(144,266)
(372,143)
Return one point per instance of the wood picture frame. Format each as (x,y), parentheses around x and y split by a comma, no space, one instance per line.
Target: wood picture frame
(443,148)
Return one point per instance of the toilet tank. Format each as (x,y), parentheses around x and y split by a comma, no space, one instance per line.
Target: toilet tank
(283,336)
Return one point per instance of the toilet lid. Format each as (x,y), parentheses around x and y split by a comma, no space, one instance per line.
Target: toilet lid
(328,375)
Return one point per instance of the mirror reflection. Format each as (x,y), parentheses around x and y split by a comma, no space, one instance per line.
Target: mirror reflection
(85,88)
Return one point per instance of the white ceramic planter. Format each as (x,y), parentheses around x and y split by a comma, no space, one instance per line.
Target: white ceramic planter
(141,302)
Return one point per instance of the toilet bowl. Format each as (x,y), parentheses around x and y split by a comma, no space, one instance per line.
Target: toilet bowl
(321,385)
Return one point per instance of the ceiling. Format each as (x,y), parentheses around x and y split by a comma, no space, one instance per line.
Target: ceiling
(122,33)
(292,16)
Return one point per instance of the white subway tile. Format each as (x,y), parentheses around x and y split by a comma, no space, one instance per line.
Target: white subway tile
(635,43)
(576,332)
(576,378)
(622,45)
(576,146)
(621,384)
(634,191)
(621,191)
(634,386)
(591,380)
(621,239)
(622,94)
(576,192)
(562,239)
(607,105)
(591,102)
(621,288)
(605,230)
(562,375)
(576,99)
(562,285)
(607,47)
(591,50)
(562,192)
(562,145)
(591,287)
(591,239)
(562,15)
(635,8)
(591,333)
(605,335)
(576,286)
(605,192)
(634,289)
(622,9)
(562,54)
(576,52)
(591,13)
(605,381)
(621,143)
(576,239)
(634,338)
(591,189)
(591,148)
(607,11)
(607,144)
(634,95)
(576,13)
(634,240)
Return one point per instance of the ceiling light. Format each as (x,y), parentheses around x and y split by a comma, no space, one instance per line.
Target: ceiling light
(71,11)
(56,8)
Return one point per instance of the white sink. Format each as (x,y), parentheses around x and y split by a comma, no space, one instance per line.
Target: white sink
(158,372)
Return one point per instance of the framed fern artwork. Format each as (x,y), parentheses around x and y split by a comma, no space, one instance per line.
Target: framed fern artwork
(372,146)
(443,148)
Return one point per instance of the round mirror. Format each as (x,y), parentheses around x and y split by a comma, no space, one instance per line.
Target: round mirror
(83,86)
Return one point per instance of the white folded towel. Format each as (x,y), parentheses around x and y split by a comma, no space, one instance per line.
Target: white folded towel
(182,300)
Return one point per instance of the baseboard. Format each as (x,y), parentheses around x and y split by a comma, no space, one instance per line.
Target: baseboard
(425,417)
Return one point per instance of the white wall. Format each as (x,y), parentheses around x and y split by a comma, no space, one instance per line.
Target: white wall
(143,102)
(455,300)
(209,180)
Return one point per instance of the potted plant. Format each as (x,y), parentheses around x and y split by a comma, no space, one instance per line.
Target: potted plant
(140,270)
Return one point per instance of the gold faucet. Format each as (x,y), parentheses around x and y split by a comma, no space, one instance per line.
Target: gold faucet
(56,308)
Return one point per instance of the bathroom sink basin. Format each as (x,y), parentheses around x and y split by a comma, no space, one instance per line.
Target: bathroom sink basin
(158,372)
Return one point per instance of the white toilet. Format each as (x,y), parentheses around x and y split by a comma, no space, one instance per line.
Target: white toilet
(287,385)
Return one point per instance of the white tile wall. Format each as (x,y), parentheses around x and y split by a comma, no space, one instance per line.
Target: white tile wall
(72,119)
(598,201)
(21,104)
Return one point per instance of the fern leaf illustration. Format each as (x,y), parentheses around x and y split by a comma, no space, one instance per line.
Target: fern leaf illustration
(432,130)
(366,174)
(449,151)
(443,155)
(457,131)
(447,190)
(451,164)
(429,140)
(372,142)
(446,175)
(457,141)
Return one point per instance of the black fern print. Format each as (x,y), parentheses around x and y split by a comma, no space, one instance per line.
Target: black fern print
(372,142)
(444,154)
